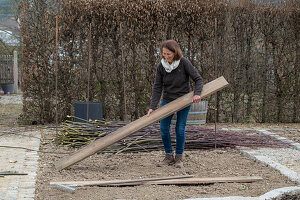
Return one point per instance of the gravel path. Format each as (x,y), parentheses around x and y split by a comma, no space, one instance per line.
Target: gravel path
(287,157)
(285,160)
(11,99)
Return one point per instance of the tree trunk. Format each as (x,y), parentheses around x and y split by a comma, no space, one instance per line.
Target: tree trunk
(264,83)
(136,83)
(236,86)
(119,80)
(296,94)
(279,90)
(249,78)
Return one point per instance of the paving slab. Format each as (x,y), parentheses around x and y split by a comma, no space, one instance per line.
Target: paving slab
(19,155)
(280,192)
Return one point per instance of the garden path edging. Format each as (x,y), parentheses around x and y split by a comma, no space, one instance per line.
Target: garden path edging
(277,193)
(259,157)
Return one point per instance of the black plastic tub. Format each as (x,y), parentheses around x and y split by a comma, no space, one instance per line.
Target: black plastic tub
(95,111)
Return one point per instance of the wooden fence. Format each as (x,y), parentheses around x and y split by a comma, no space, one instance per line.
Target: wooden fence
(9,70)
(6,69)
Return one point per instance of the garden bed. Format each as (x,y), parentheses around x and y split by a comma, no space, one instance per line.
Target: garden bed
(107,166)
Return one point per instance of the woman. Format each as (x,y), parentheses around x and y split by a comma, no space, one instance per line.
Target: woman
(172,78)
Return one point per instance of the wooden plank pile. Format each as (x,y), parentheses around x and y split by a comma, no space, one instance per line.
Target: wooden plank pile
(70,186)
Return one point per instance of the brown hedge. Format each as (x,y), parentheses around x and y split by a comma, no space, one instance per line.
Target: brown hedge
(219,37)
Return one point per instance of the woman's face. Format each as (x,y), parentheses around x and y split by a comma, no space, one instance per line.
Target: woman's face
(168,55)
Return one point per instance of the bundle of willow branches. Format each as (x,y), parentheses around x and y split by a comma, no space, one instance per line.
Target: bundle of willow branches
(76,134)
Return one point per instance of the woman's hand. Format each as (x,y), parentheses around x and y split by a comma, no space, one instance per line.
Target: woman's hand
(149,112)
(196,99)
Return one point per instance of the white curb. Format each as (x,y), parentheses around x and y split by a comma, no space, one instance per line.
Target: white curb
(277,193)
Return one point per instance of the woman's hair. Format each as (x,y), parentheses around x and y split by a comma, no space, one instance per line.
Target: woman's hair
(172,46)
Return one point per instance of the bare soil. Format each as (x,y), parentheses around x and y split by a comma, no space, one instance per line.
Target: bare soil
(103,166)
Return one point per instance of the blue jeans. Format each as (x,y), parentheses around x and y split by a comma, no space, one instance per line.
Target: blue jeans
(179,130)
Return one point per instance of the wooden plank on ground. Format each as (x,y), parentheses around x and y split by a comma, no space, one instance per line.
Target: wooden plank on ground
(131,181)
(194,181)
(140,123)
(163,181)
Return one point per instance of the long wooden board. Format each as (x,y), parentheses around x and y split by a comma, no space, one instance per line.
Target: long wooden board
(117,182)
(194,181)
(180,180)
(140,123)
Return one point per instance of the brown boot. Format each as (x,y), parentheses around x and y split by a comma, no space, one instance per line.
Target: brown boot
(168,160)
(178,161)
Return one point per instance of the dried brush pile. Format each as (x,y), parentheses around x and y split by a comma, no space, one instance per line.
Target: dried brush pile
(74,134)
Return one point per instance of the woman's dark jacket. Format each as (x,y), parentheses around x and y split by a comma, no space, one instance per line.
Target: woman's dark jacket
(176,83)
